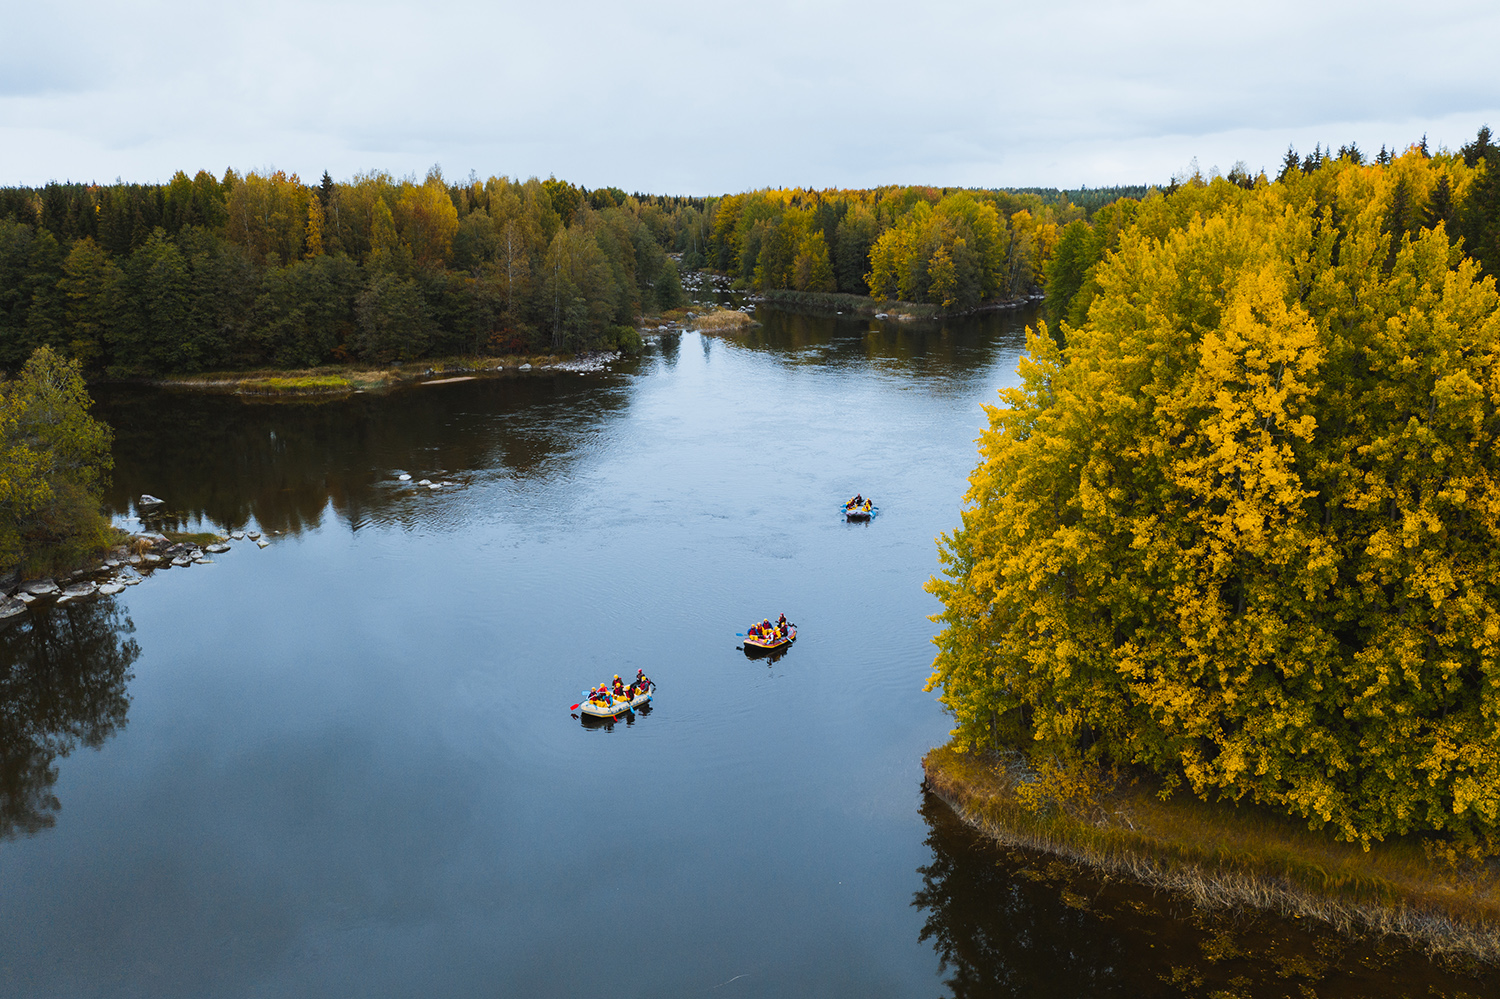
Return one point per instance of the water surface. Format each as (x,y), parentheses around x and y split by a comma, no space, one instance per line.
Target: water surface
(344,765)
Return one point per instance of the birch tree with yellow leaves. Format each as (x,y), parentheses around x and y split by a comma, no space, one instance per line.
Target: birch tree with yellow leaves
(1244,530)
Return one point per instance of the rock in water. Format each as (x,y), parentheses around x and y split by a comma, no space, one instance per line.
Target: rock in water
(404,477)
(217,549)
(182,560)
(424,482)
(253,535)
(148,500)
(41,588)
(263,543)
(237,535)
(10,608)
(110,589)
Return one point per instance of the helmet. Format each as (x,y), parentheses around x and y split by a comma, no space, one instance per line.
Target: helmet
(640,672)
(617,676)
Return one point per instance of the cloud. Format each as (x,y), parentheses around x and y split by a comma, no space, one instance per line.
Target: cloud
(670,96)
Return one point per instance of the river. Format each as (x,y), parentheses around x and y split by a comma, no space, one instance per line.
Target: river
(345,765)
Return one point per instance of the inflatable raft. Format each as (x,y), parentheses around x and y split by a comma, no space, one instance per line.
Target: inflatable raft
(862,512)
(754,645)
(616,707)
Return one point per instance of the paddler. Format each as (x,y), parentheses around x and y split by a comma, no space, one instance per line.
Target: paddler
(781,622)
(619,686)
(642,682)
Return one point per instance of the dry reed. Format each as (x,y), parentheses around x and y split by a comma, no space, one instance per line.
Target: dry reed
(723,321)
(1224,857)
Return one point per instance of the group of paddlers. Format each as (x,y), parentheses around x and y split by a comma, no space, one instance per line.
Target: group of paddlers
(765,631)
(858,504)
(618,690)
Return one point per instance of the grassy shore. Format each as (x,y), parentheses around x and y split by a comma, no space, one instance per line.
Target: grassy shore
(1222,855)
(344,379)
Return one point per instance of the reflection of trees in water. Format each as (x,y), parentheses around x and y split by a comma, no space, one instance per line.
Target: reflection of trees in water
(225,460)
(1014,923)
(63,685)
(955,346)
(999,934)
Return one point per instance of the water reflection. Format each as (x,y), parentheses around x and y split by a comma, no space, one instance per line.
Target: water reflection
(628,719)
(958,347)
(1016,923)
(63,686)
(227,461)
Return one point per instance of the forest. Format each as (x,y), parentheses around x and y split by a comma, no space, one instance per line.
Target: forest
(239,272)
(1239,527)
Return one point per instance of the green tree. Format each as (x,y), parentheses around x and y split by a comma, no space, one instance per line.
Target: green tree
(54,458)
(393,322)
(91,286)
(811,268)
(669,288)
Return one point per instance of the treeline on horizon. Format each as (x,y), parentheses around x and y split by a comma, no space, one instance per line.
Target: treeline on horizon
(244,271)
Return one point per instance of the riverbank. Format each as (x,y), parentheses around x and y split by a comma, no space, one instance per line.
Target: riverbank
(1221,855)
(347,379)
(130,560)
(880,309)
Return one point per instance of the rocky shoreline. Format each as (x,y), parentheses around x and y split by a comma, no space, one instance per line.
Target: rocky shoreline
(125,564)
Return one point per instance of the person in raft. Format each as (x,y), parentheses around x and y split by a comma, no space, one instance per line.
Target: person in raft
(643,682)
(619,686)
(855,502)
(781,623)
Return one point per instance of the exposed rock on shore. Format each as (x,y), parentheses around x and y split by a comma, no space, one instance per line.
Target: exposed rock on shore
(125,565)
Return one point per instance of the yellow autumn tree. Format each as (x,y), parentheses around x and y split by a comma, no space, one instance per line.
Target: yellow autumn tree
(1244,530)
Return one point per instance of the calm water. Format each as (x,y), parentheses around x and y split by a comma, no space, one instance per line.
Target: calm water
(344,765)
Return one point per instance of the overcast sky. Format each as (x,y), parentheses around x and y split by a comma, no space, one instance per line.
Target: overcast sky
(673,97)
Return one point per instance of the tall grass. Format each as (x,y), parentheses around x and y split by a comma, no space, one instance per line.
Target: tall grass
(723,321)
(1226,855)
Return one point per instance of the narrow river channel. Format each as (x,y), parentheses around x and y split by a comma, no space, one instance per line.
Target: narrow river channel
(344,764)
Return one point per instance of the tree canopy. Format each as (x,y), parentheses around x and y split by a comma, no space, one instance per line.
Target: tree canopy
(53,459)
(1240,524)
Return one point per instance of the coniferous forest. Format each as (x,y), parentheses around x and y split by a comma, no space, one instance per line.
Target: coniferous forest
(237,272)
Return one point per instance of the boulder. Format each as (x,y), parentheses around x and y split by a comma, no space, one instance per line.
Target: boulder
(182,560)
(78,590)
(110,589)
(404,477)
(253,535)
(9,608)
(217,549)
(25,597)
(424,482)
(132,580)
(237,535)
(524,367)
(147,500)
(262,542)
(41,588)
